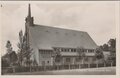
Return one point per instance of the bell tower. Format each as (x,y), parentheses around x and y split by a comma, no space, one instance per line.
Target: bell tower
(29,20)
(28,23)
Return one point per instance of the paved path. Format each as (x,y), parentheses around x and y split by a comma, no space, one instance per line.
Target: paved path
(88,71)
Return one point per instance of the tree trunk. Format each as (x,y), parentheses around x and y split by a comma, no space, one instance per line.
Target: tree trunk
(83,61)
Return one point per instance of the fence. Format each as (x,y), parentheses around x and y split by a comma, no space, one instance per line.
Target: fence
(55,67)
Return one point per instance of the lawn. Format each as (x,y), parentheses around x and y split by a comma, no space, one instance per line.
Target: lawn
(87,71)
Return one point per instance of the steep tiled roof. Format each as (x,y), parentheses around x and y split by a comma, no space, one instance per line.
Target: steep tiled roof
(45,37)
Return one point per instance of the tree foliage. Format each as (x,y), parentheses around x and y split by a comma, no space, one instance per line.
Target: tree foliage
(57,56)
(99,54)
(24,51)
(9,47)
(109,46)
(20,47)
(10,58)
(81,54)
(112,45)
(4,63)
(105,47)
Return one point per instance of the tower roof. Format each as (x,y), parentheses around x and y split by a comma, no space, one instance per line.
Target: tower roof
(29,20)
(29,11)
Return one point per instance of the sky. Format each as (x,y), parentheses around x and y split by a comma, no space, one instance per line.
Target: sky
(96,18)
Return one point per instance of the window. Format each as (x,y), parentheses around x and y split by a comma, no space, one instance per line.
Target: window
(74,50)
(58,58)
(85,50)
(62,49)
(67,59)
(57,49)
(90,50)
(47,61)
(68,49)
(65,50)
(86,59)
(77,59)
(43,63)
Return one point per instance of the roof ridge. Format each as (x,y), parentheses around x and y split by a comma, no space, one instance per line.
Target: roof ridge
(59,28)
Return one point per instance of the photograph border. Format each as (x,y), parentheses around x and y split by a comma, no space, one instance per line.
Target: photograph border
(72,76)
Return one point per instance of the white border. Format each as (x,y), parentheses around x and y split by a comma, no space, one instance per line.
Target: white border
(72,76)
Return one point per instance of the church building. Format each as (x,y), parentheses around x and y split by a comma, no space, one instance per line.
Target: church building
(58,46)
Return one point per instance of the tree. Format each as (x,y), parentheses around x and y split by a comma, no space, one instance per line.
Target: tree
(99,54)
(24,51)
(10,57)
(101,47)
(112,49)
(34,62)
(81,53)
(105,47)
(21,48)
(13,58)
(112,45)
(9,47)
(5,62)
(27,55)
(57,56)
(9,51)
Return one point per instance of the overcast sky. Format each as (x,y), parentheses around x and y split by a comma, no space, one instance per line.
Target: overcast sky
(96,18)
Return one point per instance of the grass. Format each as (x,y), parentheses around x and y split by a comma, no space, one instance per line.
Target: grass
(88,71)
